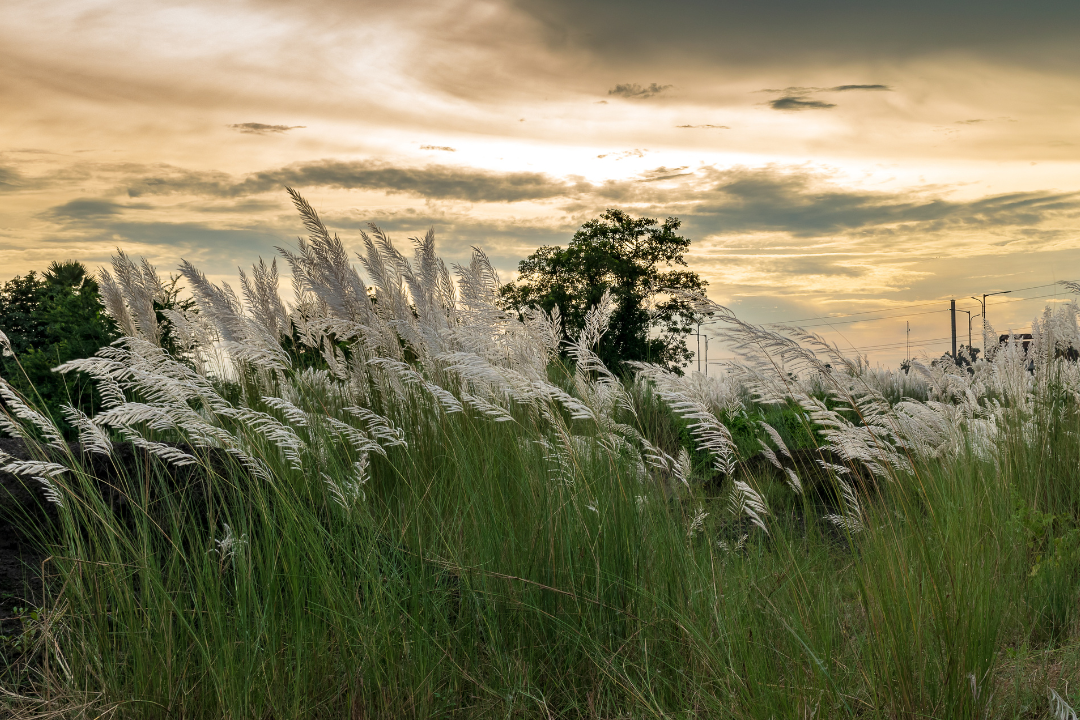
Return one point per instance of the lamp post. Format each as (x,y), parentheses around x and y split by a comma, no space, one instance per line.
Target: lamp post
(983,301)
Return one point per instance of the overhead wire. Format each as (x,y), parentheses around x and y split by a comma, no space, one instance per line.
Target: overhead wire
(1037,297)
(886,317)
(921,343)
(900,307)
(914,344)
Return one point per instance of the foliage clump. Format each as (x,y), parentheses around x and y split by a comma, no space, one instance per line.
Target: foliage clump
(49,319)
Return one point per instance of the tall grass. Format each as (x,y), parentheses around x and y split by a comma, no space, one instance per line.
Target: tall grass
(418,507)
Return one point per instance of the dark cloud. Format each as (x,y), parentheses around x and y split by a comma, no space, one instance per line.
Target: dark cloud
(225,242)
(214,250)
(806,205)
(444,148)
(739,200)
(795,102)
(734,33)
(665,173)
(83,209)
(437,182)
(247,206)
(10,179)
(811,265)
(803,90)
(635,91)
(705,127)
(254,128)
(798,98)
(505,241)
(170,180)
(846,88)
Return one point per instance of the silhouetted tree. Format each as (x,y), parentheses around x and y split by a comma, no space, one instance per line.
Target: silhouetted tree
(637,259)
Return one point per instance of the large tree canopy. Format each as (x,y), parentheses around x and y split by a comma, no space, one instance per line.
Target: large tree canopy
(50,319)
(637,259)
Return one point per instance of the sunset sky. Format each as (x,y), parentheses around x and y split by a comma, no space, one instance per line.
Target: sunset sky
(826,158)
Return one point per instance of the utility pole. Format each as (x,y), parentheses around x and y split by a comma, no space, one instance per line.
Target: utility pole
(952,314)
(907,352)
(706,356)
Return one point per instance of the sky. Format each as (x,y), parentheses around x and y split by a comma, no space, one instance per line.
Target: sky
(864,162)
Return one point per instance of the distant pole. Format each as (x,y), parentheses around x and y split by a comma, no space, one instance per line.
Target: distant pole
(907,352)
(970,316)
(952,314)
(706,356)
(699,347)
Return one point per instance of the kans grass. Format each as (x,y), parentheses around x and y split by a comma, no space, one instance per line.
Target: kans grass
(426,506)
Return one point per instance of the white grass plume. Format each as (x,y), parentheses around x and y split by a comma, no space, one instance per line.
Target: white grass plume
(42,471)
(92,436)
(17,406)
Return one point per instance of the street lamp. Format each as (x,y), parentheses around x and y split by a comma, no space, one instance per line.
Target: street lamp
(986,295)
(983,301)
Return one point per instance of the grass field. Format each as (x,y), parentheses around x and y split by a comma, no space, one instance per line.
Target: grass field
(420,507)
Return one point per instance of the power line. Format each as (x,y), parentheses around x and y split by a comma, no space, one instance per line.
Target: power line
(1035,287)
(1037,297)
(914,343)
(900,307)
(925,312)
(917,343)
(886,317)
(864,312)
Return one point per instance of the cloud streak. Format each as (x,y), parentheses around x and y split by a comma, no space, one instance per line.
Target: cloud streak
(637,92)
(804,90)
(794,102)
(798,98)
(805,204)
(254,128)
(848,88)
(82,209)
(10,179)
(798,202)
(441,182)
